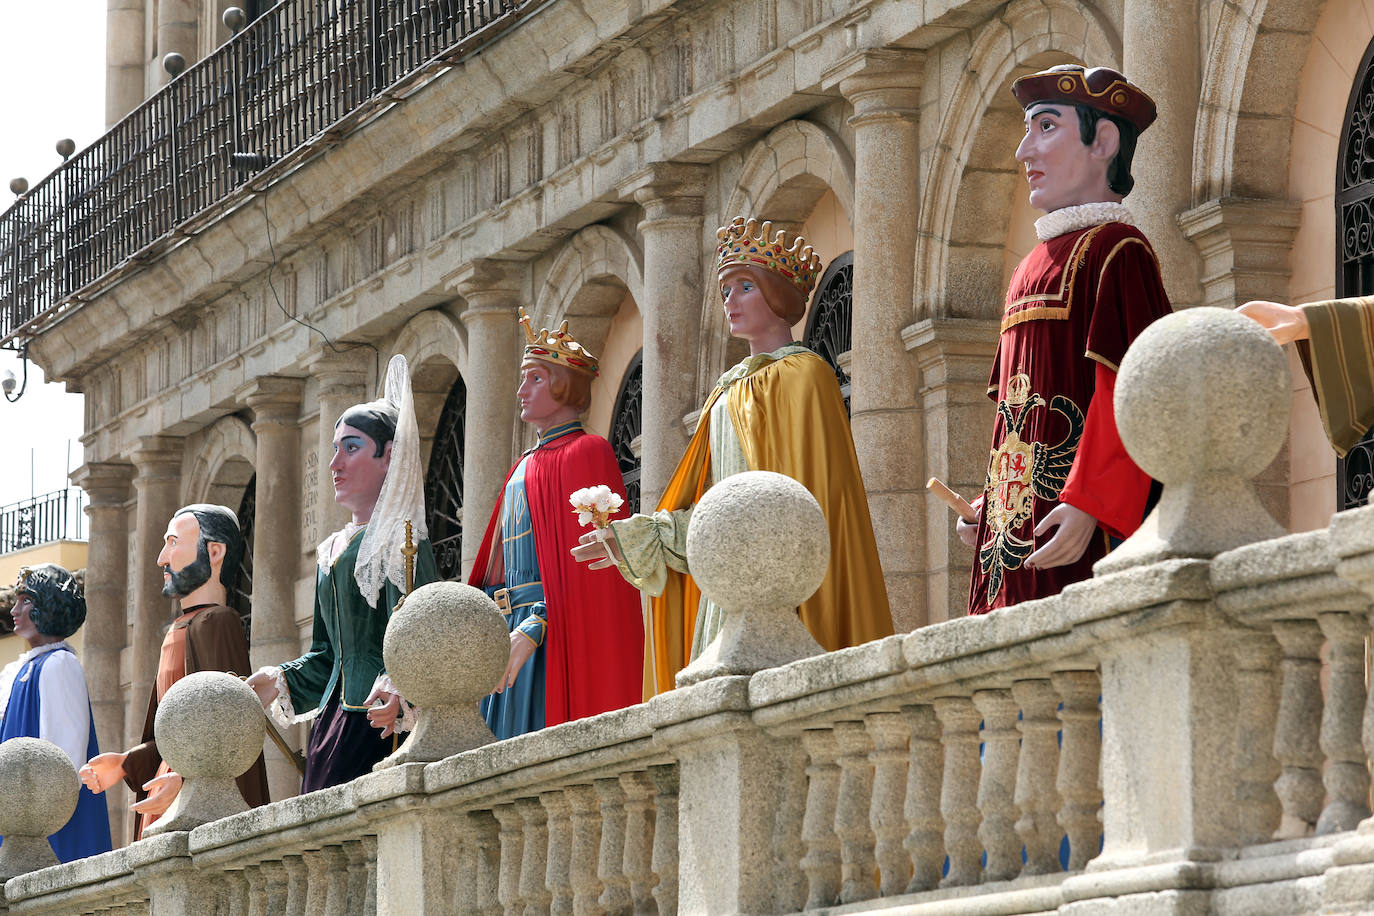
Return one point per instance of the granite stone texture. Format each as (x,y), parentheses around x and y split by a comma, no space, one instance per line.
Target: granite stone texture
(39,789)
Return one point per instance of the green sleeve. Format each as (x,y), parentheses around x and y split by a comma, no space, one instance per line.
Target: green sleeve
(650,546)
(306,676)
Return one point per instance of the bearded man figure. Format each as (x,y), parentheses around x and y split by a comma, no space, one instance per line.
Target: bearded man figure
(200,558)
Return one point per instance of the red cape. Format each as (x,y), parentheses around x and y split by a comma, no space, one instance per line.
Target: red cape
(595,642)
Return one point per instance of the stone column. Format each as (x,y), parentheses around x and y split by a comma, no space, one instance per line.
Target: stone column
(276,406)
(106,485)
(176,31)
(493,291)
(885,412)
(342,383)
(671,195)
(157,460)
(1160,54)
(123,58)
(953,355)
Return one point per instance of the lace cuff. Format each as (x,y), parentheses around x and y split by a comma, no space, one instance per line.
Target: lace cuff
(405,717)
(650,545)
(280,710)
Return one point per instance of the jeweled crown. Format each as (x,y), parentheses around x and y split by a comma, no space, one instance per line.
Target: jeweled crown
(747,242)
(557,347)
(1018,389)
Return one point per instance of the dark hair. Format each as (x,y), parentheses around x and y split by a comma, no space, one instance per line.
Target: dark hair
(221,525)
(1119,169)
(59,604)
(377,419)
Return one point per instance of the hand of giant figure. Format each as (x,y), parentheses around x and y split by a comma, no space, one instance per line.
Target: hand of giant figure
(779,410)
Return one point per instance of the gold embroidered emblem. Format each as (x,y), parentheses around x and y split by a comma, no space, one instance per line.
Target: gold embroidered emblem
(1018,471)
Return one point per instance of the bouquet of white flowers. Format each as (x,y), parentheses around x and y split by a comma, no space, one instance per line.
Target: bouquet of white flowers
(595,505)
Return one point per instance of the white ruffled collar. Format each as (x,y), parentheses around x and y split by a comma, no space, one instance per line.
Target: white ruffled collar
(1081,216)
(31,654)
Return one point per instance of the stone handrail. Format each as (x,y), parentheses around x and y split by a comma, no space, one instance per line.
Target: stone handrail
(1156,738)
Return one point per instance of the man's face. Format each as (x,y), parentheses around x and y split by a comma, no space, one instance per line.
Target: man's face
(357,470)
(184,559)
(538,406)
(23,626)
(1061,169)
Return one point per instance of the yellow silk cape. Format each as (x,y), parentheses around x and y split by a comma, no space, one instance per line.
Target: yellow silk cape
(790,418)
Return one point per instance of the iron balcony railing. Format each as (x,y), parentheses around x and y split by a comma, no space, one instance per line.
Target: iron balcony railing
(40,520)
(304,70)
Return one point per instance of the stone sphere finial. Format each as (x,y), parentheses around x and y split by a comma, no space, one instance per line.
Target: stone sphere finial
(209,729)
(444,650)
(758,546)
(41,789)
(1202,403)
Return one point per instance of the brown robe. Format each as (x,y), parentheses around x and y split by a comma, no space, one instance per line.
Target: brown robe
(214,642)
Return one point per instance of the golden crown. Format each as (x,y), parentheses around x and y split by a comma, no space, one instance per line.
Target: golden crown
(557,347)
(746,242)
(1018,389)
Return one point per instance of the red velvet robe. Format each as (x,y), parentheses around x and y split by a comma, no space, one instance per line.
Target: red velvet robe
(1075,303)
(595,642)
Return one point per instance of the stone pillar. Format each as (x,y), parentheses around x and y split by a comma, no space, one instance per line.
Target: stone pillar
(671,195)
(342,383)
(953,355)
(106,485)
(1160,54)
(493,291)
(885,411)
(176,31)
(276,406)
(157,460)
(123,58)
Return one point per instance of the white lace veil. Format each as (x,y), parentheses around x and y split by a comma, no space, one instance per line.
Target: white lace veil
(402,496)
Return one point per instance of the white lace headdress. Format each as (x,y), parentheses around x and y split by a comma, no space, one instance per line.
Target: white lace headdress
(402,497)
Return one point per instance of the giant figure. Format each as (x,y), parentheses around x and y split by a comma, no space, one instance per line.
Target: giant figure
(200,557)
(360,576)
(43,695)
(1074,305)
(577,635)
(778,410)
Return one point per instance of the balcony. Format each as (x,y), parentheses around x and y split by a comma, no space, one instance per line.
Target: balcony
(301,77)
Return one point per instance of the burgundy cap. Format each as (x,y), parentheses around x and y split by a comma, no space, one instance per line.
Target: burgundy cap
(1100,87)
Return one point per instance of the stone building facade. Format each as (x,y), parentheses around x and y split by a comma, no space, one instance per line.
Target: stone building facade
(578,164)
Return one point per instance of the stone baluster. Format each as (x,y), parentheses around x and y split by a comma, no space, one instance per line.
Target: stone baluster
(996,788)
(639,839)
(665,862)
(316,881)
(336,880)
(822,860)
(275,888)
(297,885)
(558,817)
(512,841)
(370,871)
(1036,799)
(610,860)
(959,790)
(586,848)
(257,890)
(888,731)
(789,881)
(1296,736)
(534,858)
(1257,807)
(484,839)
(357,873)
(925,828)
(1346,776)
(236,896)
(1080,755)
(852,805)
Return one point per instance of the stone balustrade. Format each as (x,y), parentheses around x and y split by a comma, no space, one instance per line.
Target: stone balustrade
(1189,731)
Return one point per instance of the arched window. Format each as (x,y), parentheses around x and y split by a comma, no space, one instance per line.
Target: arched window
(829,329)
(241,595)
(1355,250)
(625,425)
(444,484)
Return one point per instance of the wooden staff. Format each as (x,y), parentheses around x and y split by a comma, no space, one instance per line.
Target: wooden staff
(953,500)
(296,757)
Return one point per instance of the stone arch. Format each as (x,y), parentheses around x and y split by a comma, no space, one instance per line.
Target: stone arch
(224,466)
(1245,115)
(783,177)
(972,176)
(588,282)
(437,351)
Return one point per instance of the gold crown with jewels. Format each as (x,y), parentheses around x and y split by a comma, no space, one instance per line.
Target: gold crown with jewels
(747,242)
(557,347)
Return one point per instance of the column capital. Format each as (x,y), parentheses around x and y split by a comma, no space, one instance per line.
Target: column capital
(273,399)
(487,278)
(879,82)
(106,483)
(157,457)
(667,190)
(334,370)
(1245,246)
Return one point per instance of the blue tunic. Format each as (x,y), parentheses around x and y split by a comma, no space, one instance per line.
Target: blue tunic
(520,708)
(88,832)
